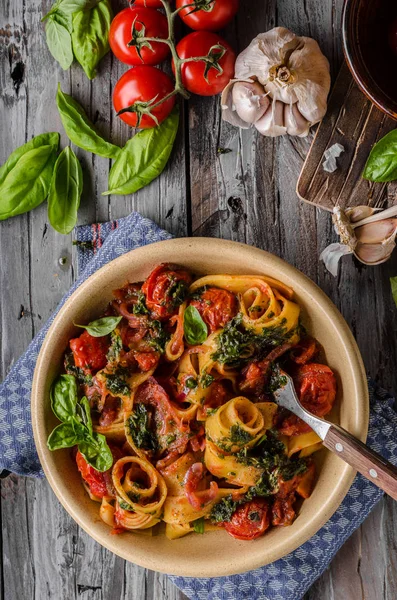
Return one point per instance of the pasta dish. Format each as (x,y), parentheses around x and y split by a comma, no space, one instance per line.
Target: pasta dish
(167,403)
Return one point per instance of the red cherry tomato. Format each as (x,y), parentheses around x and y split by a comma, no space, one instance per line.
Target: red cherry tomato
(218,14)
(216,307)
(99,483)
(90,352)
(143,84)
(393,37)
(196,76)
(149,3)
(250,520)
(165,289)
(120,34)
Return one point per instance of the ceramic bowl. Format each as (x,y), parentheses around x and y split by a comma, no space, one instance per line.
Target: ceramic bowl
(366,42)
(215,553)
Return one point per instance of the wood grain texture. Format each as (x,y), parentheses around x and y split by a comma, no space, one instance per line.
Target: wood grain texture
(248,195)
(353,122)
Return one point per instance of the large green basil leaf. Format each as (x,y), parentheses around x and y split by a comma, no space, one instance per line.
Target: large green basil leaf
(382,162)
(195,329)
(44,139)
(84,406)
(97,452)
(64,398)
(143,157)
(65,192)
(90,36)
(101,327)
(79,128)
(27,184)
(63,436)
(59,40)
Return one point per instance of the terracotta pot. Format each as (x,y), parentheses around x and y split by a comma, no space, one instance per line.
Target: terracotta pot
(215,553)
(365,27)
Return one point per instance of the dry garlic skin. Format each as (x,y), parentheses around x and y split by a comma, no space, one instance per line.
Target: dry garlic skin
(292,70)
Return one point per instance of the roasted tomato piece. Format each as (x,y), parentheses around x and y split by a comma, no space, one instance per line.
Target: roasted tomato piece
(147,360)
(293,425)
(99,483)
(216,307)
(90,352)
(283,512)
(250,520)
(165,289)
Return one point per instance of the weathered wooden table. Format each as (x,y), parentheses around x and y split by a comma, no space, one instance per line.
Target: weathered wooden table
(247,195)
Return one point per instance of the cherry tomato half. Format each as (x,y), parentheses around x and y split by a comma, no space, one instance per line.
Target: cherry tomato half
(120,34)
(216,307)
(214,17)
(196,76)
(143,84)
(165,289)
(90,352)
(149,3)
(250,520)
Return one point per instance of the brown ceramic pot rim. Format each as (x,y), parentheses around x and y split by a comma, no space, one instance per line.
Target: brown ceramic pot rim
(250,555)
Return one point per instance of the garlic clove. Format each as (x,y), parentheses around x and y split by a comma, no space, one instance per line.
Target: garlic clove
(294,122)
(357,213)
(250,101)
(376,232)
(228,112)
(373,254)
(272,123)
(331,256)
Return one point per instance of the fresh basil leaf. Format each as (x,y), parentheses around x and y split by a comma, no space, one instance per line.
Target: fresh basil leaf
(28,182)
(65,192)
(101,327)
(44,139)
(393,283)
(97,452)
(382,162)
(63,436)
(59,40)
(195,329)
(63,396)
(79,128)
(84,406)
(90,36)
(143,157)
(198,525)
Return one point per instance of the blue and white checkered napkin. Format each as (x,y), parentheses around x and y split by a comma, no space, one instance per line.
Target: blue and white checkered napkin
(286,579)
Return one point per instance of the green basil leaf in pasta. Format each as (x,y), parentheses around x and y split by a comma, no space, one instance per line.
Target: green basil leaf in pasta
(195,329)
(393,283)
(101,327)
(64,398)
(84,406)
(27,184)
(65,192)
(79,128)
(97,452)
(44,139)
(90,36)
(63,436)
(59,40)
(382,162)
(198,525)
(143,157)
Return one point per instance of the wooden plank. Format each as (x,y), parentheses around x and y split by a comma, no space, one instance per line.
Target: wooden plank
(353,122)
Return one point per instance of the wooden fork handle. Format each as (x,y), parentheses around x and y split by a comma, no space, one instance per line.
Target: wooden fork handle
(369,463)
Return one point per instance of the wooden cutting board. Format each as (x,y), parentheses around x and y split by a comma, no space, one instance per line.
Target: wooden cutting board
(354,122)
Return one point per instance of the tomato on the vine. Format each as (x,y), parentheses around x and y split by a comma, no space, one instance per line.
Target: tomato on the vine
(200,77)
(121,35)
(213,15)
(149,3)
(143,84)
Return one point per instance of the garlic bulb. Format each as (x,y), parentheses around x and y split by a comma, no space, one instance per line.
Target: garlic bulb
(370,237)
(291,70)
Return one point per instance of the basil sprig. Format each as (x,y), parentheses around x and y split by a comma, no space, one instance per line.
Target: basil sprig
(76,426)
(25,177)
(79,128)
(143,157)
(101,327)
(382,162)
(79,29)
(195,329)
(90,36)
(65,192)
